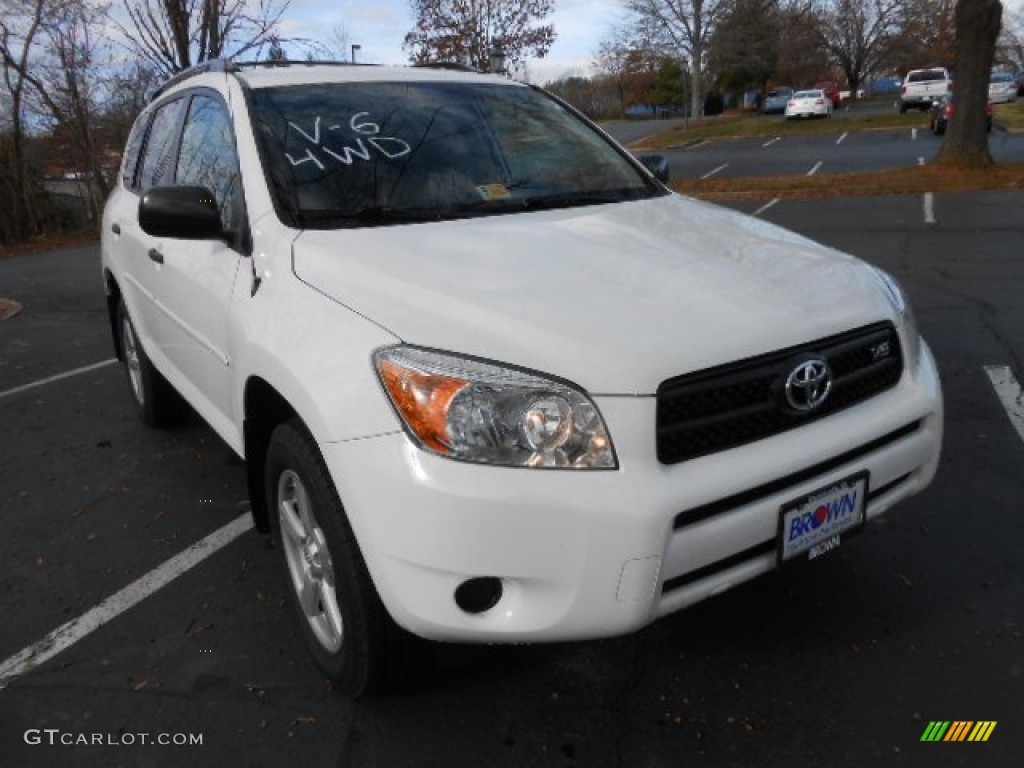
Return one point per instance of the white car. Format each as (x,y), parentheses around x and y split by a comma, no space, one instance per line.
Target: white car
(811,103)
(1002,87)
(492,380)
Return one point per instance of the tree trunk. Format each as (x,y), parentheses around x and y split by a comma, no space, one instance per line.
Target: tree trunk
(697,65)
(977,27)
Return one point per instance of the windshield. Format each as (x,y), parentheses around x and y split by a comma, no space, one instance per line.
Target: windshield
(1003,77)
(370,154)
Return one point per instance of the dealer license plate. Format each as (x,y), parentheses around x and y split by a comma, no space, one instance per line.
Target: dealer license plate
(814,524)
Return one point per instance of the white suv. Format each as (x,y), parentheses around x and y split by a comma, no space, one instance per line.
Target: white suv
(922,87)
(492,380)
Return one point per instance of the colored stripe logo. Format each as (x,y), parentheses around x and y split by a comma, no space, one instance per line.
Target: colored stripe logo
(958,730)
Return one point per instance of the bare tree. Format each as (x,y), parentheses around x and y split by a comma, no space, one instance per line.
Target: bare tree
(172,35)
(685,28)
(70,86)
(629,59)
(126,94)
(20,25)
(977,28)
(802,54)
(466,30)
(1010,46)
(924,36)
(857,33)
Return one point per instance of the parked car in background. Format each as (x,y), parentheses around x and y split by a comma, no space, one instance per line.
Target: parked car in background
(922,86)
(942,112)
(1002,87)
(811,103)
(831,89)
(776,100)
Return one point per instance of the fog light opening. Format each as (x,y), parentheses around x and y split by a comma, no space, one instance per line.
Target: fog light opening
(478,595)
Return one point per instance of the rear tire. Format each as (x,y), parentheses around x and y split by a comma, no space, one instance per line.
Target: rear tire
(156,401)
(347,629)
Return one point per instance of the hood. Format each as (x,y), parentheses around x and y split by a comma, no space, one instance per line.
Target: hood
(616,298)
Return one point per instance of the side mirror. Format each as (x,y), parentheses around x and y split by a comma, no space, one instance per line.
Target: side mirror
(187,213)
(657,165)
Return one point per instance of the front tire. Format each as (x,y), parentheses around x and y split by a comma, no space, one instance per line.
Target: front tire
(346,627)
(156,401)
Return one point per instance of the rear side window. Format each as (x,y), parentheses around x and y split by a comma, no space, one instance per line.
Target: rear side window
(926,75)
(158,160)
(132,150)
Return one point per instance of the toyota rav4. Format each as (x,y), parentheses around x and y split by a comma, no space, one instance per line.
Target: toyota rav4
(492,380)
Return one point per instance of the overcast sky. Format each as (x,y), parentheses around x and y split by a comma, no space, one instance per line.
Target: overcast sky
(379,26)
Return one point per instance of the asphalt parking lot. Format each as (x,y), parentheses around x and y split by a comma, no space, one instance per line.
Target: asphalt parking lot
(827,153)
(843,662)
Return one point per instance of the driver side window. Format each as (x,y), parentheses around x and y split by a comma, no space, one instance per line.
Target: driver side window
(207,157)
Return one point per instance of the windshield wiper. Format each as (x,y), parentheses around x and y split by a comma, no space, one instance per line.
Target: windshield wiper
(541,202)
(576,199)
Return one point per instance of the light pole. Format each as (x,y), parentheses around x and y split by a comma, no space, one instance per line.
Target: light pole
(355,47)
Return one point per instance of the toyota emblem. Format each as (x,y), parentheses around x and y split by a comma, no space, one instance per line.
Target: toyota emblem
(808,386)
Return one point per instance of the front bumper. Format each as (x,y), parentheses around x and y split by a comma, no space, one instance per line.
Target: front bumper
(596,553)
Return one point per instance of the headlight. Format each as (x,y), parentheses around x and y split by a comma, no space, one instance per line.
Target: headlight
(898,298)
(483,412)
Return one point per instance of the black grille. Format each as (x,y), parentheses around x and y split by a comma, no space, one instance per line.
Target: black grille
(728,406)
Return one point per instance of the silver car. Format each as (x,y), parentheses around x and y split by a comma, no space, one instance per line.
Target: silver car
(1002,87)
(776,99)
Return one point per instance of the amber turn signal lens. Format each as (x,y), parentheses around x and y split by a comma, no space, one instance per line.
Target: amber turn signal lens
(423,400)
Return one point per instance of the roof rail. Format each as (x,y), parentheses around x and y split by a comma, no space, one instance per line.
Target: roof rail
(450,65)
(211,65)
(299,63)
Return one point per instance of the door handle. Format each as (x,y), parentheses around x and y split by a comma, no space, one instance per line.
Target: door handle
(156,256)
(115,228)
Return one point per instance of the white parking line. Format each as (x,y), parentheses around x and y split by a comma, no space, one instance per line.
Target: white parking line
(58,377)
(700,143)
(920,161)
(929,208)
(814,170)
(769,143)
(766,206)
(719,169)
(913,135)
(842,138)
(70,633)
(1009,391)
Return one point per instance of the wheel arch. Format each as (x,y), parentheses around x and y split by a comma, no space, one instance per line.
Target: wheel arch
(113,300)
(264,408)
